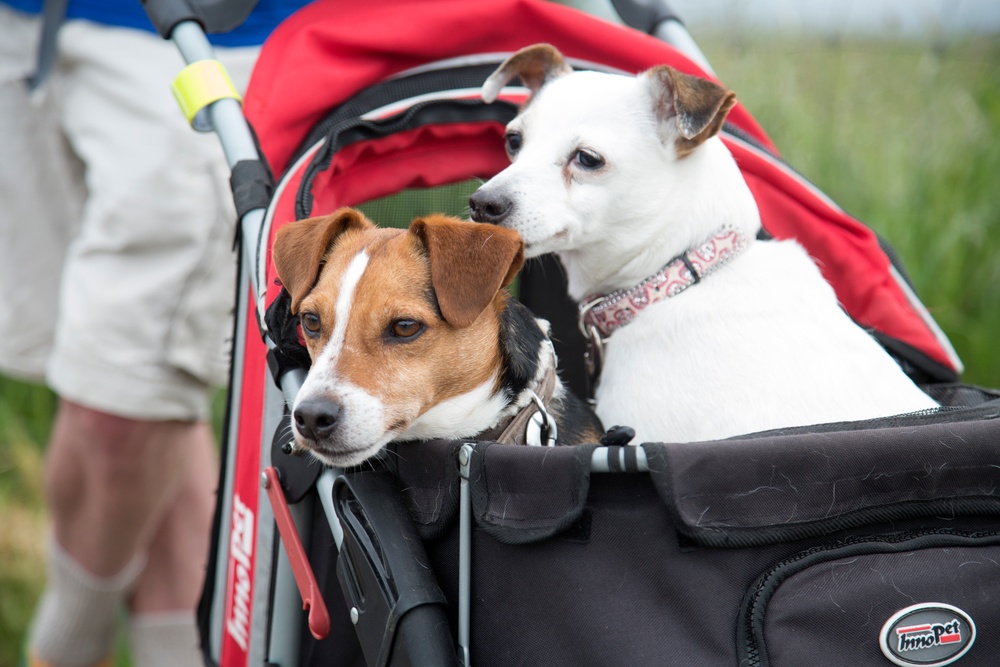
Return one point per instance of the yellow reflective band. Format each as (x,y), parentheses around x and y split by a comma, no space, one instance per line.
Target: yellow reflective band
(198,85)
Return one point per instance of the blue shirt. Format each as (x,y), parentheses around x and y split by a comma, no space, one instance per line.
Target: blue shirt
(131,14)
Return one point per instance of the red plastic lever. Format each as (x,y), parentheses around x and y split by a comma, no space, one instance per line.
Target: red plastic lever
(312,599)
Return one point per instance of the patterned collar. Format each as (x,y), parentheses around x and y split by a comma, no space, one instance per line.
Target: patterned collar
(604,314)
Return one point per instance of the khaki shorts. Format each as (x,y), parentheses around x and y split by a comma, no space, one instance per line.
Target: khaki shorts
(116,224)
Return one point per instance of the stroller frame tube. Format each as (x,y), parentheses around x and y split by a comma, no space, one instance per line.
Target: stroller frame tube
(674,33)
(324,489)
(464,554)
(226,115)
(226,119)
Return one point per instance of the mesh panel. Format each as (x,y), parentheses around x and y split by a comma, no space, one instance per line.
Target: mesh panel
(400,209)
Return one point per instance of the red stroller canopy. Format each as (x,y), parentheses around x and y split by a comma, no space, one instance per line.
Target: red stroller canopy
(328,52)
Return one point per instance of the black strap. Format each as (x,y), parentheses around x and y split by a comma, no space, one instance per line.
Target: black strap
(252,186)
(614,460)
(631,458)
(53,15)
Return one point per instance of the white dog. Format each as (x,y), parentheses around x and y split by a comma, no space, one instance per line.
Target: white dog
(626,181)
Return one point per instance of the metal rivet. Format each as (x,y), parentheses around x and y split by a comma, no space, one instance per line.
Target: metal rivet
(354,615)
(287,447)
(263,480)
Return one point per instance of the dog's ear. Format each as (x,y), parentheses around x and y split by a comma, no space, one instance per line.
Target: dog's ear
(535,65)
(470,263)
(697,107)
(299,249)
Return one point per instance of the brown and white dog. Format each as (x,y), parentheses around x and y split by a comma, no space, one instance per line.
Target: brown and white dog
(707,332)
(412,336)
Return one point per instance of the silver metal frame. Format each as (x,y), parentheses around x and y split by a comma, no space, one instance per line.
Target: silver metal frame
(225,117)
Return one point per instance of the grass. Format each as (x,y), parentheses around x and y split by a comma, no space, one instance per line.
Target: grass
(25,412)
(904,135)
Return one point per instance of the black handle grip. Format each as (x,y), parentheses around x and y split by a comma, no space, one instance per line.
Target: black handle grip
(645,15)
(215,16)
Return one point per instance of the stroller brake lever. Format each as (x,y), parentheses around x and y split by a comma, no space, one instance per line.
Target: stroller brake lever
(305,579)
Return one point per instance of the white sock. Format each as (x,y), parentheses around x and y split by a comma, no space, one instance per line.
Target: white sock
(165,639)
(76,620)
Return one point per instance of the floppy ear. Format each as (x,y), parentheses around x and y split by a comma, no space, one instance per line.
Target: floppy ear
(299,249)
(535,65)
(470,263)
(696,106)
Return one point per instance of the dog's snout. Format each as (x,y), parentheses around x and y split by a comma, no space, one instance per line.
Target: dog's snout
(489,207)
(316,418)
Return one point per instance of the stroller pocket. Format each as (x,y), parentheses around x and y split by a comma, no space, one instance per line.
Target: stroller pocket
(912,598)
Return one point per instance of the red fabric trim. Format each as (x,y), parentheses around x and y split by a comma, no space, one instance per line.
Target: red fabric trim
(240,564)
(283,207)
(846,251)
(328,51)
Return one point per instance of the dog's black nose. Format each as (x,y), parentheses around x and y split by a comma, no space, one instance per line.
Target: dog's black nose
(489,207)
(316,418)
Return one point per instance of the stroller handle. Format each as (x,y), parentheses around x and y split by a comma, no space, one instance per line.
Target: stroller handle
(225,117)
(658,18)
(212,15)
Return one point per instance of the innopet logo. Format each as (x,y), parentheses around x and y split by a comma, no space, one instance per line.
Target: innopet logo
(918,637)
(928,634)
(241,544)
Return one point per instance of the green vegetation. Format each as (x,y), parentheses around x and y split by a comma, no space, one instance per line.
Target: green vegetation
(25,412)
(905,136)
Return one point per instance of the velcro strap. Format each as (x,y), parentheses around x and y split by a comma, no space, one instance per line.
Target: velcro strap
(200,84)
(252,186)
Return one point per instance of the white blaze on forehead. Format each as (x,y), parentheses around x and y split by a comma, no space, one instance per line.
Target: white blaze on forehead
(348,284)
(321,372)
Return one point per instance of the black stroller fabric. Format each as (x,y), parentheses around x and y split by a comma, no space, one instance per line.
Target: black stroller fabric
(791,549)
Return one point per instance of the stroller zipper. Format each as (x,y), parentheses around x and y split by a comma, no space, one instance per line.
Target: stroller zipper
(750,647)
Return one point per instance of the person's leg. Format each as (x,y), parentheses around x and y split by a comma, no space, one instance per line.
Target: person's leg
(145,301)
(119,489)
(42,196)
(111,480)
(161,629)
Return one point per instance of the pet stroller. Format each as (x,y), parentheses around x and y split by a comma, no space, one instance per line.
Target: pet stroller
(840,544)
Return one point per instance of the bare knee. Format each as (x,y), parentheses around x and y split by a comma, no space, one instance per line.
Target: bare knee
(109,481)
(113,454)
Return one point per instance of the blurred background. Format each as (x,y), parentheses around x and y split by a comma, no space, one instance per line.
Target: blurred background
(892,107)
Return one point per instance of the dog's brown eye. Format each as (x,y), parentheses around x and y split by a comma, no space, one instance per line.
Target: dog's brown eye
(512,142)
(310,324)
(405,329)
(589,159)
